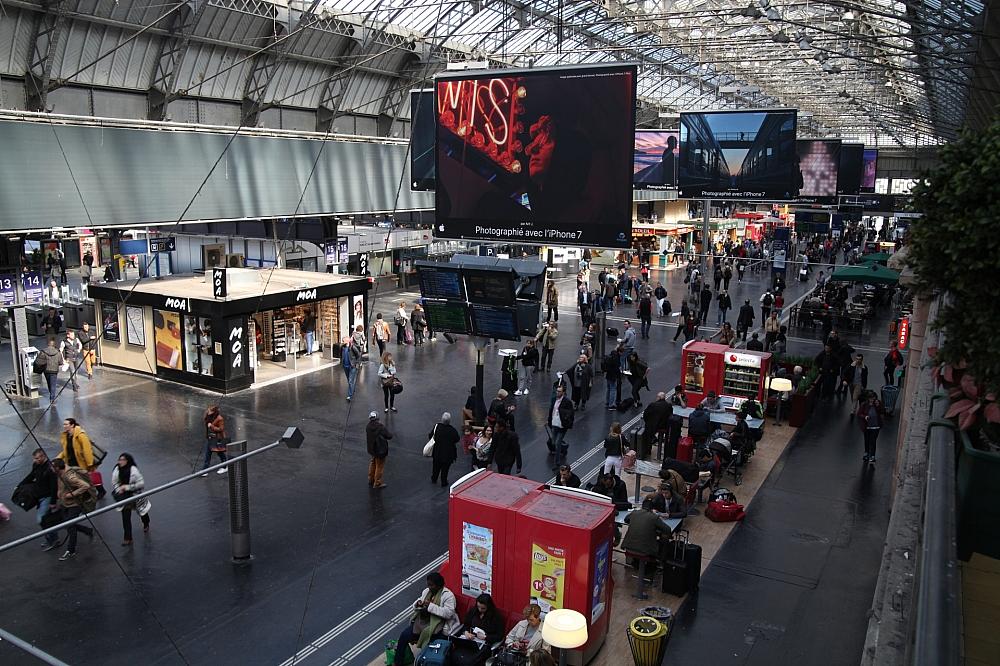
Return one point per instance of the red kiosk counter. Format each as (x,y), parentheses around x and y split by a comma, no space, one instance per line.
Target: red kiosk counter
(524,542)
(706,366)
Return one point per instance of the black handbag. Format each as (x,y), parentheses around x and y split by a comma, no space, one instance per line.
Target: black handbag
(397,387)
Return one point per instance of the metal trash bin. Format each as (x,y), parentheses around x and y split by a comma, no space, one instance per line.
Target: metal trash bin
(889,396)
(647,638)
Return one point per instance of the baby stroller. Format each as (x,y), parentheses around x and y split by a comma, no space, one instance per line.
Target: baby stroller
(730,454)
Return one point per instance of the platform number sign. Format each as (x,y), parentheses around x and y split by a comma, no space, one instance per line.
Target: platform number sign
(8,290)
(219,286)
(236,342)
(33,286)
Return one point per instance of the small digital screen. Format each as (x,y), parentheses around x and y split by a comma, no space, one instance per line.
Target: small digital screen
(489,287)
(851,165)
(537,155)
(819,163)
(738,155)
(870,164)
(654,166)
(495,322)
(422,174)
(447,316)
(440,282)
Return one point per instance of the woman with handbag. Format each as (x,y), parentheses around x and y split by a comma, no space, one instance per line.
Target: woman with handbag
(483,449)
(387,375)
(444,441)
(215,437)
(126,481)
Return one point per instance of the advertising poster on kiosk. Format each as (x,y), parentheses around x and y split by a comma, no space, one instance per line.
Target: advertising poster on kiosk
(109,322)
(741,155)
(548,575)
(167,334)
(477,560)
(540,155)
(602,565)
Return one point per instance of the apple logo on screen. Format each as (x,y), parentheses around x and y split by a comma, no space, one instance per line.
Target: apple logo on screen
(440,227)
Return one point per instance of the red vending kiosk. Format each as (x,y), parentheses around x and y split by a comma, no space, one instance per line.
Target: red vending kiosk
(562,558)
(481,519)
(737,374)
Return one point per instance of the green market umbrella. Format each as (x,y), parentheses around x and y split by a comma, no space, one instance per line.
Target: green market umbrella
(875,257)
(867,273)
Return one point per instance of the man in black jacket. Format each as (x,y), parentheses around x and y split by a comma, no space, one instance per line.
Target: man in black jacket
(580,377)
(755,344)
(506,449)
(829,370)
(612,367)
(560,420)
(445,450)
(745,319)
(378,437)
(611,486)
(706,302)
(699,424)
(38,490)
(656,418)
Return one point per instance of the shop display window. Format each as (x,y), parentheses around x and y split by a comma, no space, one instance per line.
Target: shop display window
(198,345)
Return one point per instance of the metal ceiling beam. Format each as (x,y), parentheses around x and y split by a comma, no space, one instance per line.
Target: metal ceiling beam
(50,24)
(173,47)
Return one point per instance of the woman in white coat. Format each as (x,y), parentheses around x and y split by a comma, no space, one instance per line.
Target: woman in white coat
(127,481)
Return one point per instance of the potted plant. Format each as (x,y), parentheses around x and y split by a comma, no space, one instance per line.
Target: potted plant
(954,249)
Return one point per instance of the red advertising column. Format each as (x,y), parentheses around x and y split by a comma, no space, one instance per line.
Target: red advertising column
(481,538)
(562,558)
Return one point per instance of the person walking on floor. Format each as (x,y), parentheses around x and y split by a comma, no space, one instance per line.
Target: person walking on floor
(377,437)
(771,328)
(661,296)
(418,321)
(766,301)
(725,305)
(71,350)
(529,360)
(52,323)
(614,450)
(61,256)
(548,334)
(88,341)
(612,367)
(350,361)
(76,446)
(560,420)
(445,450)
(645,313)
(41,485)
(380,333)
(53,361)
(400,320)
(706,302)
(682,319)
(628,341)
(72,483)
(856,377)
(506,449)
(638,376)
(580,378)
(744,321)
(215,438)
(308,325)
(870,422)
(126,481)
(387,375)
(727,275)
(552,301)
(892,364)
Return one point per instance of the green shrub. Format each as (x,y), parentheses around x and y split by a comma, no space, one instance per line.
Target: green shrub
(955,248)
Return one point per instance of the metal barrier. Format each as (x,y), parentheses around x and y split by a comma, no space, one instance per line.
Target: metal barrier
(938,631)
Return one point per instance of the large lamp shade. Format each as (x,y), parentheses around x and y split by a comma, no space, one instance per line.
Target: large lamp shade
(565,629)
(781,384)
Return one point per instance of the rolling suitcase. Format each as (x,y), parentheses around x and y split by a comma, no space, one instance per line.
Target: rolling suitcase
(692,557)
(676,578)
(685,449)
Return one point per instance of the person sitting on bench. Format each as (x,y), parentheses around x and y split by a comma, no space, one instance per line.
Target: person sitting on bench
(667,502)
(645,529)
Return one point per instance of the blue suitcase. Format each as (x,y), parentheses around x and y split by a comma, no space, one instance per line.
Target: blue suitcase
(435,654)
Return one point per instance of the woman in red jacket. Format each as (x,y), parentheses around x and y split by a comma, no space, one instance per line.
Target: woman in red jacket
(215,437)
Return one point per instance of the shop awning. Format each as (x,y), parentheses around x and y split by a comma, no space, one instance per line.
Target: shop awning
(875,257)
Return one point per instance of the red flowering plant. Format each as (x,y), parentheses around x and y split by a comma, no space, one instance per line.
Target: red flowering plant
(973,406)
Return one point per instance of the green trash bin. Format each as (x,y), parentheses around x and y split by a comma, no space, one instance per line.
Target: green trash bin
(647,638)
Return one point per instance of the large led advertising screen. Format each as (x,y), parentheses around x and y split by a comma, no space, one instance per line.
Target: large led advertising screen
(819,162)
(422,139)
(851,166)
(740,155)
(869,163)
(540,155)
(654,166)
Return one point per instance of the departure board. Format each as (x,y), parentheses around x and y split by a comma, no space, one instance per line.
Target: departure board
(440,282)
(489,286)
(447,316)
(494,322)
